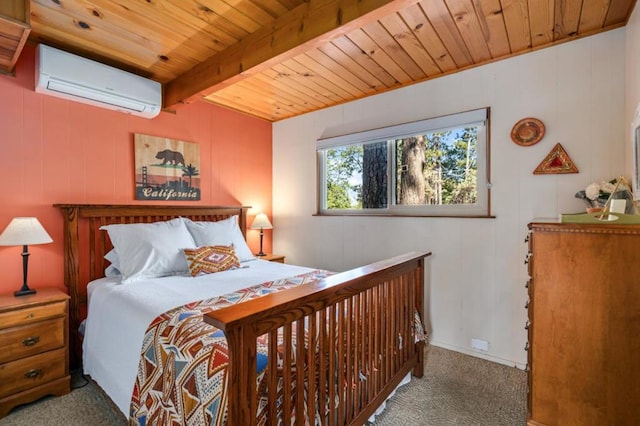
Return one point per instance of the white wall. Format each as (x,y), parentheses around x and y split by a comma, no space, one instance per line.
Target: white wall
(632,80)
(477,273)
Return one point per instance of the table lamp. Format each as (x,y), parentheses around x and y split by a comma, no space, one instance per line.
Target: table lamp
(261,222)
(23,231)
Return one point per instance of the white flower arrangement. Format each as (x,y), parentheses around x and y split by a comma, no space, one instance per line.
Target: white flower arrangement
(596,194)
(600,190)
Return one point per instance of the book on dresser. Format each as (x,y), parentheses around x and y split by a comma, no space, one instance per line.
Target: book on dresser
(584,324)
(34,361)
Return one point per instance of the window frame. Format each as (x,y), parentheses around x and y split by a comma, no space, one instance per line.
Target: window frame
(481,209)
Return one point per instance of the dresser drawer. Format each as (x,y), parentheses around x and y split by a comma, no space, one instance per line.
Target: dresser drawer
(26,340)
(26,373)
(32,314)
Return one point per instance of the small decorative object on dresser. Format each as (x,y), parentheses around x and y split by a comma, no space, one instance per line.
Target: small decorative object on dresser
(614,194)
(34,360)
(273,257)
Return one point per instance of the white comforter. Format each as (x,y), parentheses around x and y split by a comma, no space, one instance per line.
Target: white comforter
(119,314)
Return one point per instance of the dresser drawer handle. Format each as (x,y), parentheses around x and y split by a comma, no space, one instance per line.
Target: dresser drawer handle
(526,347)
(33,373)
(30,341)
(526,326)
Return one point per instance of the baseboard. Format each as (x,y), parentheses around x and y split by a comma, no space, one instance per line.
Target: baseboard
(477,354)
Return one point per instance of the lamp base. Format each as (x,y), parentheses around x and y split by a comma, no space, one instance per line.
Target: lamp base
(24,292)
(261,254)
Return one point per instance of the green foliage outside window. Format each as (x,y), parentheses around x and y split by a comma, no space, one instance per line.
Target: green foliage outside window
(436,168)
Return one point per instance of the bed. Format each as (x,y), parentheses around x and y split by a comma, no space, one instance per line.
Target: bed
(329,351)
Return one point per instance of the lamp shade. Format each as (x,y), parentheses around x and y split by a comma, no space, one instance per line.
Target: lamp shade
(23,231)
(261,222)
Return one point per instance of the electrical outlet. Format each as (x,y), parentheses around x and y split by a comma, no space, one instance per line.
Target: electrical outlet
(481,345)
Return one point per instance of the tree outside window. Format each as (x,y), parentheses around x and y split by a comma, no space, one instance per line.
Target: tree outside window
(429,171)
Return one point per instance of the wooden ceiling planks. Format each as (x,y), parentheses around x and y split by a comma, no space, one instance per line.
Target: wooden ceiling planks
(279,58)
(402,35)
(516,20)
(541,20)
(593,17)
(442,21)
(567,19)
(429,38)
(466,19)
(491,21)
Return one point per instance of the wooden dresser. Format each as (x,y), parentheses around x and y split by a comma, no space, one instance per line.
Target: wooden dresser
(584,324)
(34,359)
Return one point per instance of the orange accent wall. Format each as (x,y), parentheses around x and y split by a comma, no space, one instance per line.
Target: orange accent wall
(59,151)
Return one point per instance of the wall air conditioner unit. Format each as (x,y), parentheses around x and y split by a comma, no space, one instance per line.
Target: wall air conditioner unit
(72,77)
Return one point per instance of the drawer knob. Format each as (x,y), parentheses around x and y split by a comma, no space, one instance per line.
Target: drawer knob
(30,341)
(33,373)
(527,325)
(526,347)
(526,305)
(30,316)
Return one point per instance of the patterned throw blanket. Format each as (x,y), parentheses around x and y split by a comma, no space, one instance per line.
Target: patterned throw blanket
(181,375)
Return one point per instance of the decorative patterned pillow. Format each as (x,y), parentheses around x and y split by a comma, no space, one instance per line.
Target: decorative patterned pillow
(211,259)
(221,233)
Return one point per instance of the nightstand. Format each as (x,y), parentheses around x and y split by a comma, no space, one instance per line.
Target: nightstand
(273,257)
(34,360)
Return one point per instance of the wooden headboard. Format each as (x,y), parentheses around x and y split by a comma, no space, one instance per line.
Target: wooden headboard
(85,245)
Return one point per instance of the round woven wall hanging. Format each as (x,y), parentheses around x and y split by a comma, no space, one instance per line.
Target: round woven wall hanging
(528,131)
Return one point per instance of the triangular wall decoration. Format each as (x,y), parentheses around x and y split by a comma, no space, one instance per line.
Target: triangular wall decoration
(556,162)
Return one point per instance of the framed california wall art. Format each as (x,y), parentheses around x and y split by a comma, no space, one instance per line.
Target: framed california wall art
(166,169)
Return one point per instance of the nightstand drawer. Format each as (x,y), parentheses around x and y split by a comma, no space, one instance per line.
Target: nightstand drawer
(26,340)
(32,314)
(29,372)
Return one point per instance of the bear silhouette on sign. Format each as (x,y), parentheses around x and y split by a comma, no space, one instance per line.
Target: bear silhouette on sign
(171,157)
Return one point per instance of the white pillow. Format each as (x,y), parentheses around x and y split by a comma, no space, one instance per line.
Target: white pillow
(149,250)
(112,270)
(112,257)
(221,233)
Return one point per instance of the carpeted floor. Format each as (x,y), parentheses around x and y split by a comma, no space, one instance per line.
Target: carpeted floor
(456,390)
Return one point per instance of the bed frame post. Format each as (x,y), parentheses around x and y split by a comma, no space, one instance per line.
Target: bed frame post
(418,370)
(71,278)
(241,376)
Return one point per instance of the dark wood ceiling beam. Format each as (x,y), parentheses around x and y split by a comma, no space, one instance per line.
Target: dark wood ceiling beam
(308,26)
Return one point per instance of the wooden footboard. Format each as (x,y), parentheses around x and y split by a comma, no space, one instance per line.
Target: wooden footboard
(360,342)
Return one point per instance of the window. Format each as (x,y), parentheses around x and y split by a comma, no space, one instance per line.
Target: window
(433,167)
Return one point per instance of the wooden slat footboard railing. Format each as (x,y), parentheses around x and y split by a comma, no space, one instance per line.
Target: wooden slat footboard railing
(358,345)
